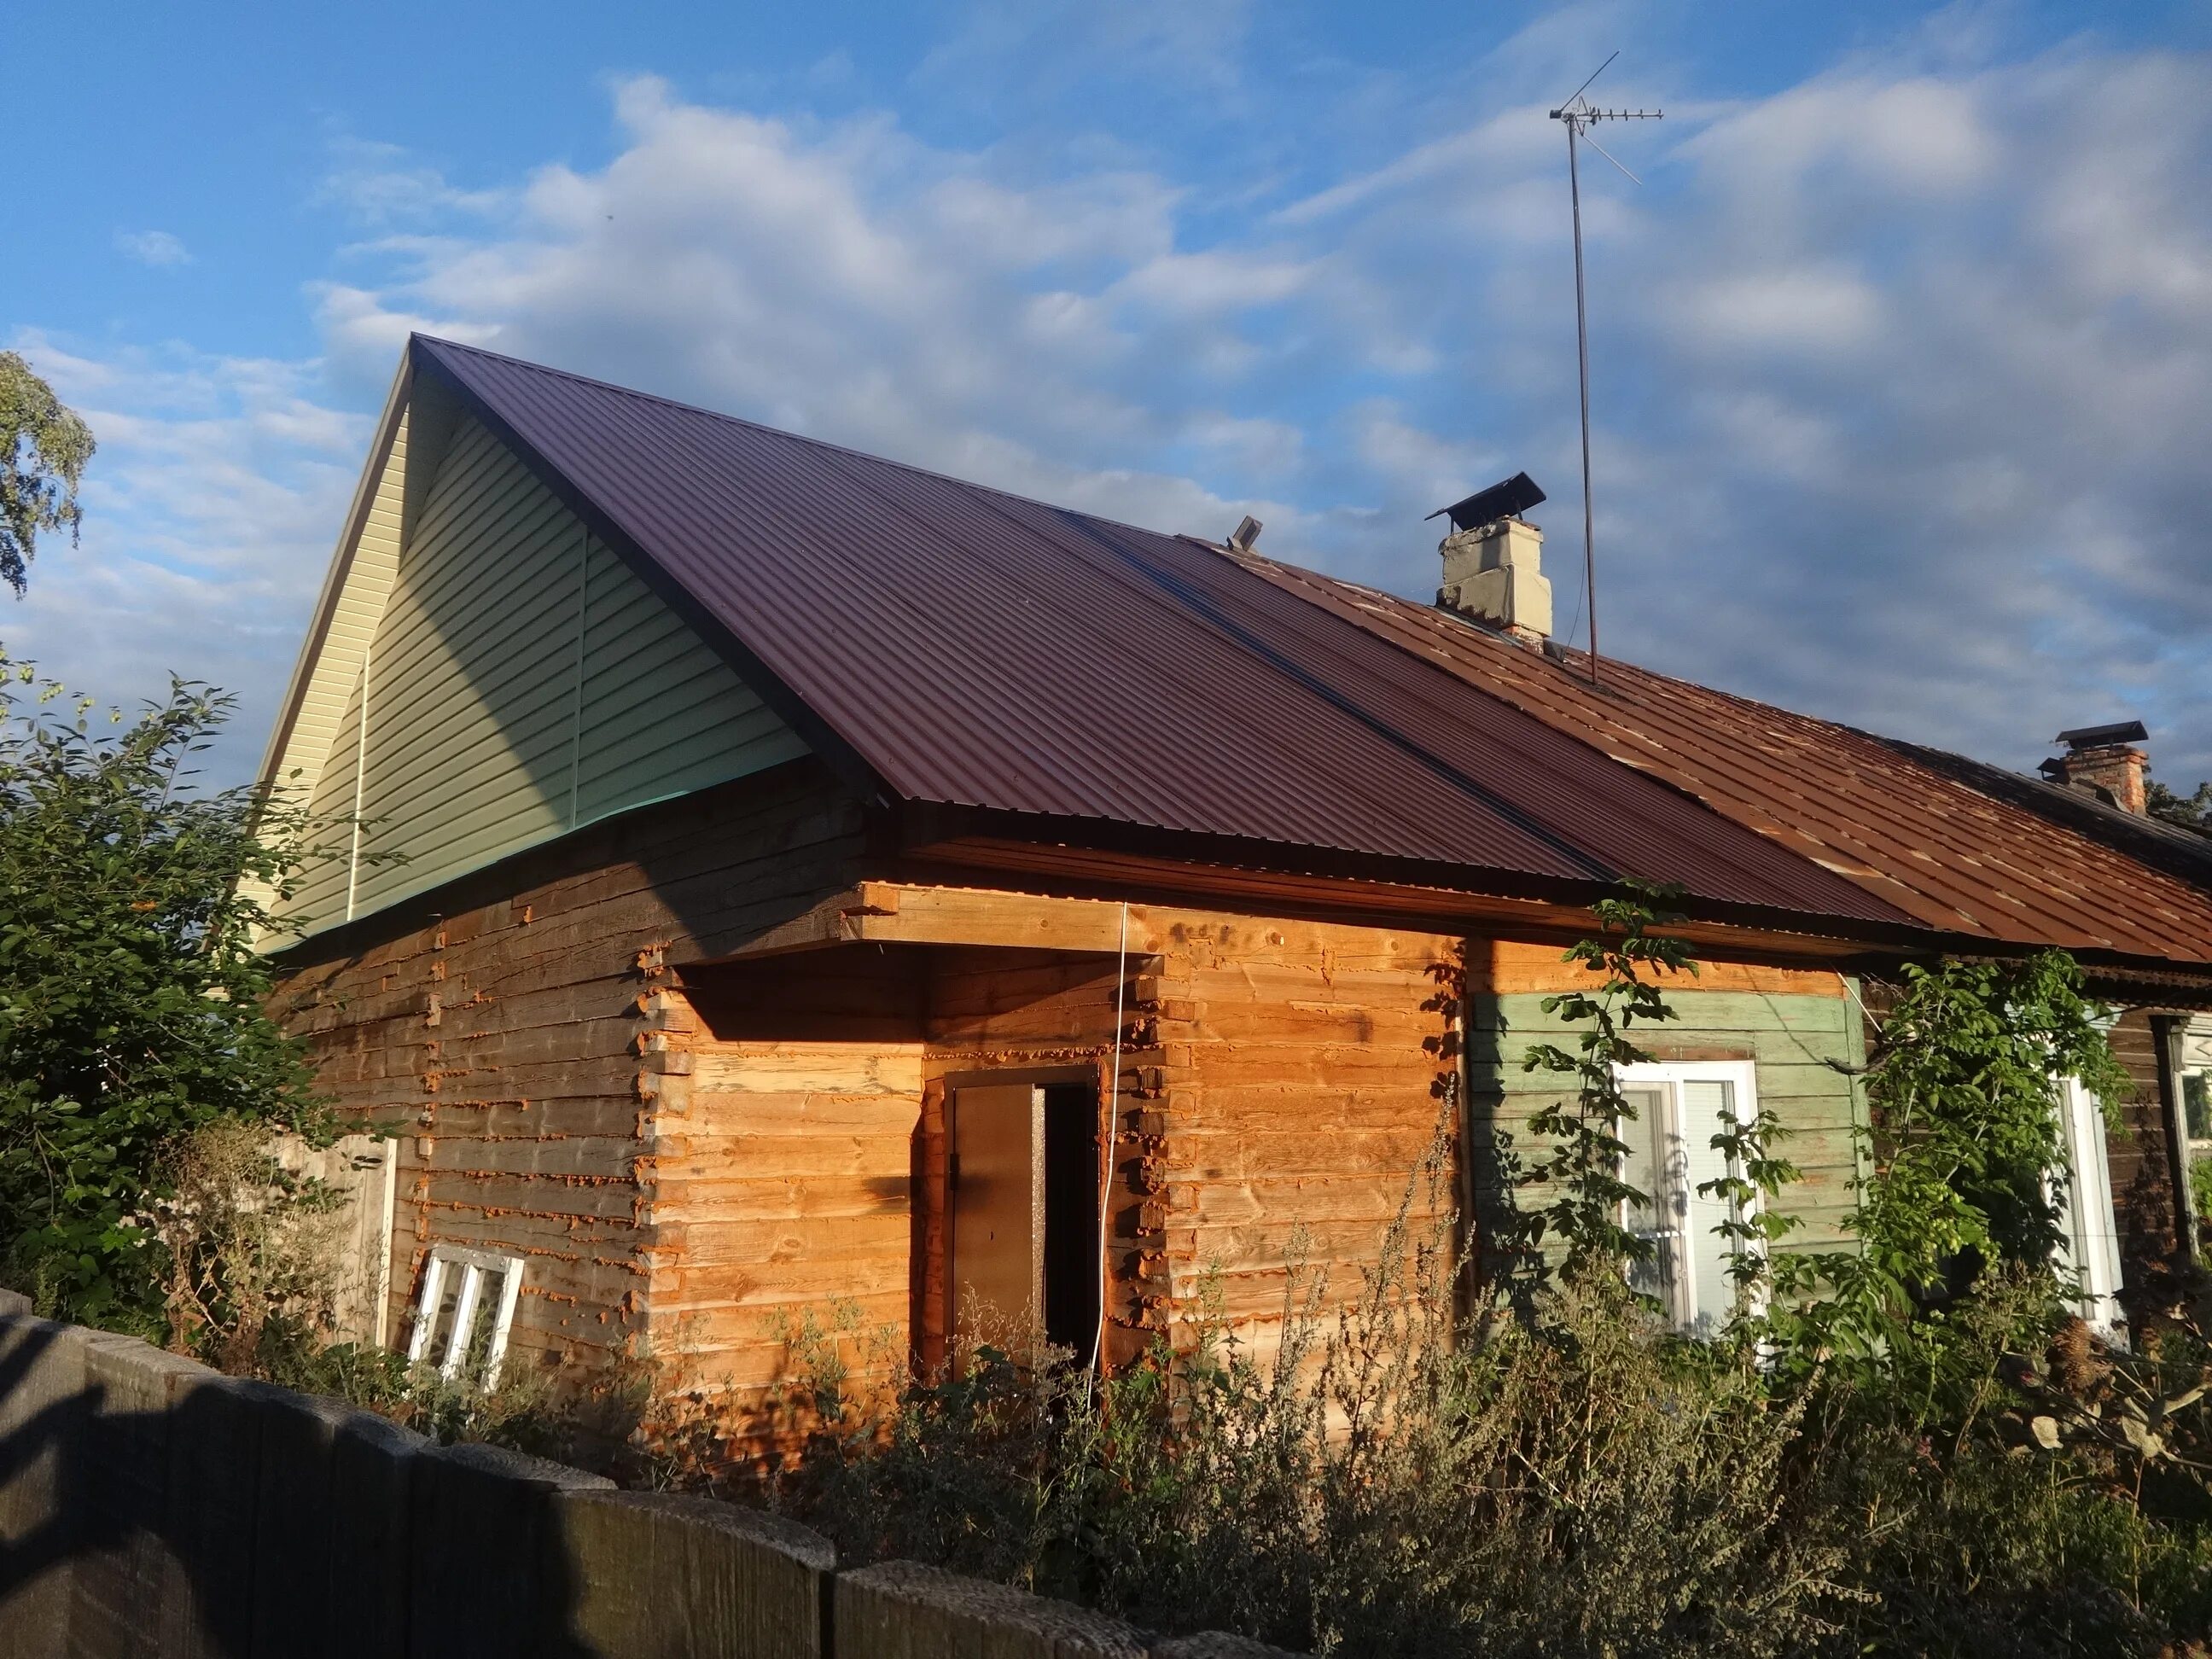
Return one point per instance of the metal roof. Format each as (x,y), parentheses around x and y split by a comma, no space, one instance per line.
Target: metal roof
(1960,847)
(949,643)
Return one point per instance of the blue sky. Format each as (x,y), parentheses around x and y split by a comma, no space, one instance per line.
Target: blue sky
(1904,347)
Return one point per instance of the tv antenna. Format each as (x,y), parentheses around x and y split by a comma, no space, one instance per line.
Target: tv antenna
(1580,115)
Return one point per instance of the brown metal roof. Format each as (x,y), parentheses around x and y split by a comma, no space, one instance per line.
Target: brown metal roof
(1951,844)
(952,644)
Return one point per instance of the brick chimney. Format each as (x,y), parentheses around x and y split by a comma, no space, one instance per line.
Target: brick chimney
(2103,761)
(1494,563)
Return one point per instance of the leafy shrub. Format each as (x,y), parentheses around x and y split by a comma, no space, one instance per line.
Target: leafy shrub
(131,988)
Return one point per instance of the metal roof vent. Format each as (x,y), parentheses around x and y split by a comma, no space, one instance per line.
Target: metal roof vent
(1246,536)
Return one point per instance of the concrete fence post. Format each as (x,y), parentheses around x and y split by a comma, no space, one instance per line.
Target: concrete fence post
(481,1573)
(654,1576)
(903,1610)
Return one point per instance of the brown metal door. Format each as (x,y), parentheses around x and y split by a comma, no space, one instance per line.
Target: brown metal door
(997,1211)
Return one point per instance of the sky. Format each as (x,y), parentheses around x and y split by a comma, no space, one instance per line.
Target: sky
(1901,336)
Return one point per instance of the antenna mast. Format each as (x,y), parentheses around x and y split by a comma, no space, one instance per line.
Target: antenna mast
(1579,115)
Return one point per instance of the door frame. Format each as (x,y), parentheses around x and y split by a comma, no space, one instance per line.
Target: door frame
(1096,1077)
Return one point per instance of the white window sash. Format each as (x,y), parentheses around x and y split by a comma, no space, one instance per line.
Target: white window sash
(474,1266)
(1668,1077)
(2089,1242)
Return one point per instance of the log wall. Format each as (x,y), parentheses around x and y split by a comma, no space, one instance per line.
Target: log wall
(1278,1083)
(2139,1151)
(509,1042)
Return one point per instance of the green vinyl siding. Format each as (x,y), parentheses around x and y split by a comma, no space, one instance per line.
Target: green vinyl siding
(521,682)
(1797,1044)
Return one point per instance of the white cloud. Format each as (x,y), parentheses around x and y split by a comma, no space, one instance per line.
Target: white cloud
(209,513)
(1902,373)
(153,248)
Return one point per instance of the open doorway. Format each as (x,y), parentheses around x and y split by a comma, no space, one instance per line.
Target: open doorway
(1023,1184)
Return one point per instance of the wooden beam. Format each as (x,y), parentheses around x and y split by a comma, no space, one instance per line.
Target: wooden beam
(895,913)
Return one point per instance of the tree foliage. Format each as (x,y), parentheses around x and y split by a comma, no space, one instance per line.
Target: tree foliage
(43,447)
(2192,811)
(131,991)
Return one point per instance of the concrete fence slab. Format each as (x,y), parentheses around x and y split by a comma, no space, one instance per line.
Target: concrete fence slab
(1216,1644)
(300,1569)
(481,1562)
(123,1572)
(656,1577)
(903,1610)
(207,1529)
(372,1481)
(42,1407)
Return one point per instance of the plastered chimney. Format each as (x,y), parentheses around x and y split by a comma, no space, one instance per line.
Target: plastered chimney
(1494,575)
(2105,761)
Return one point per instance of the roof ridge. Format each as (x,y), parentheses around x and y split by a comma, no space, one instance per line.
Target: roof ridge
(778,432)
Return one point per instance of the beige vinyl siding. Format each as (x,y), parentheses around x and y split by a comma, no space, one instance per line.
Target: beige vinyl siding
(323,893)
(483,740)
(369,565)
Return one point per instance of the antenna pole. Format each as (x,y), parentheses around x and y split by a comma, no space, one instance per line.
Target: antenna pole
(1582,358)
(1575,114)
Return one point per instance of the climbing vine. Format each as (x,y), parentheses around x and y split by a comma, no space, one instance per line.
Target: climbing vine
(1963,1166)
(1579,1176)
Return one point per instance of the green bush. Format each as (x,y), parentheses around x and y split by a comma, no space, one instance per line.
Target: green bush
(1581,1483)
(131,986)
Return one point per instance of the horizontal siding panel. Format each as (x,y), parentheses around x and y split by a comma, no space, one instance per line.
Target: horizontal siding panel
(481,739)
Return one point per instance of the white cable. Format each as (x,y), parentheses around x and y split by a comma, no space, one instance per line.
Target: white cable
(1112,1124)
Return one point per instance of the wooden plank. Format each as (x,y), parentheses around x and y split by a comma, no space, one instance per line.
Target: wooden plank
(802,1068)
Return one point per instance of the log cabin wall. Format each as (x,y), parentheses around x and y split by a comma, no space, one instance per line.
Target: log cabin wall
(1277,1077)
(1305,1069)
(1797,1027)
(510,1044)
(2139,1150)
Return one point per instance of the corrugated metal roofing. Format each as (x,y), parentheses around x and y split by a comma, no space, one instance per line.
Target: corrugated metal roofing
(1909,826)
(973,648)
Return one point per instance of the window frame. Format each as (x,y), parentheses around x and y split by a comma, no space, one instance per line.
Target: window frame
(1742,1076)
(473,1265)
(2090,1252)
(2191,1057)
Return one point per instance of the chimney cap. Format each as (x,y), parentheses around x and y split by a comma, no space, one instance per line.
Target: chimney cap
(2096,737)
(1515,496)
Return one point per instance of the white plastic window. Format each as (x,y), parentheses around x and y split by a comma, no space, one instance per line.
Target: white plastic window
(2194,1075)
(464,1313)
(1679,1108)
(2089,1245)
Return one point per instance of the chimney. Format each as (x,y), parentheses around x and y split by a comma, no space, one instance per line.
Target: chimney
(2102,760)
(1493,563)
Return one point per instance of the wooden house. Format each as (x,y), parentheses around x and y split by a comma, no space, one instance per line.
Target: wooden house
(831,885)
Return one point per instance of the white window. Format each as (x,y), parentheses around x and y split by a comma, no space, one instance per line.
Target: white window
(2089,1245)
(1680,1108)
(2193,1079)
(463,1314)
